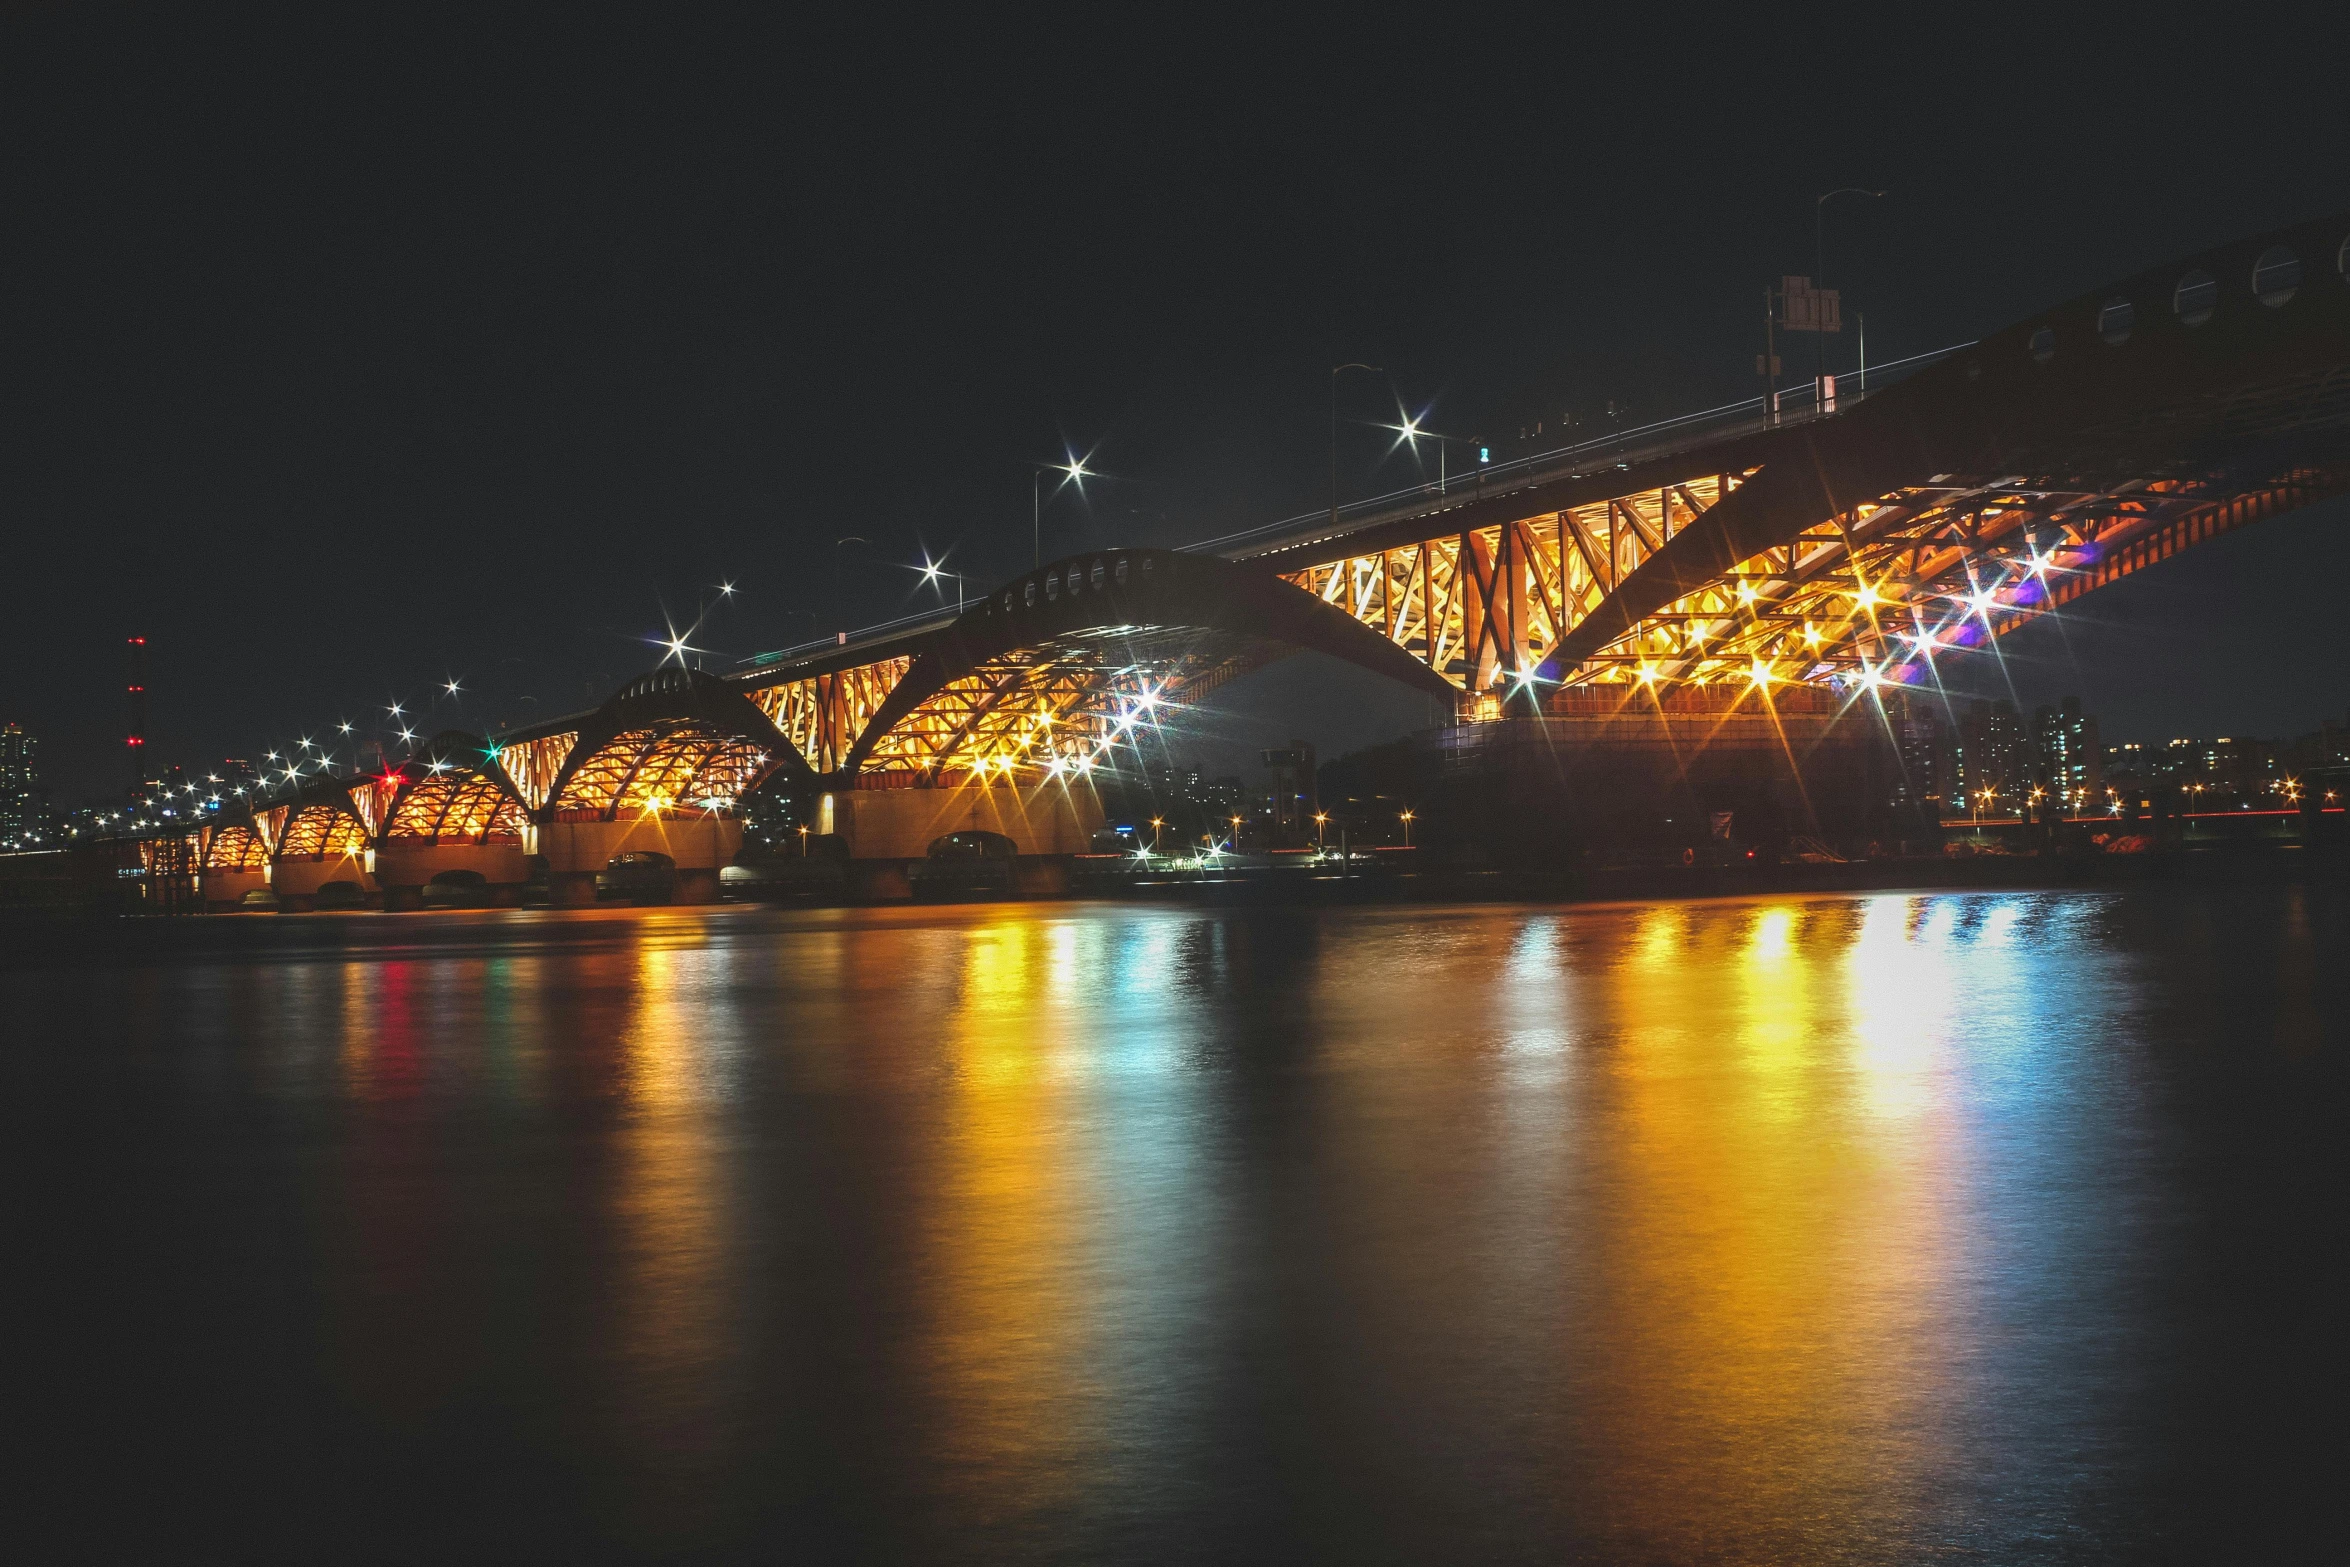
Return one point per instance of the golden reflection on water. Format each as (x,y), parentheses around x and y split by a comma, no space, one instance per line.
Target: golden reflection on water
(673,1277)
(1774,1229)
(1013,1338)
(1787,1256)
(1064,1193)
(1640,1204)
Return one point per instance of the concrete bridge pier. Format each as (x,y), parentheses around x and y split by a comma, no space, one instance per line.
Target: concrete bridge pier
(225,889)
(297,881)
(403,870)
(900,824)
(700,845)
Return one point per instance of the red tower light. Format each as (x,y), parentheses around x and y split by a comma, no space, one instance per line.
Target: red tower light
(136,741)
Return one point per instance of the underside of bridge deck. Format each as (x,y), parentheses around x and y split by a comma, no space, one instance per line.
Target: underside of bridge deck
(2020,473)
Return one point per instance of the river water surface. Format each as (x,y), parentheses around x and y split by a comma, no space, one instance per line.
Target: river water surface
(1878,1228)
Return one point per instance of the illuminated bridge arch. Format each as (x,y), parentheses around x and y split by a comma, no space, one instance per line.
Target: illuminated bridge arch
(1048,672)
(235,846)
(673,739)
(319,821)
(454,790)
(1852,550)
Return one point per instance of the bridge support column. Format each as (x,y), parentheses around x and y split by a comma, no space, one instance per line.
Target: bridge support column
(403,870)
(699,845)
(297,881)
(899,824)
(227,889)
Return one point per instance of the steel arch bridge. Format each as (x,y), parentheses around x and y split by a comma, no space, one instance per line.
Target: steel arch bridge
(1855,547)
(1849,550)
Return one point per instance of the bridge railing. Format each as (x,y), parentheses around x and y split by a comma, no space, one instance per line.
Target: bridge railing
(1641,443)
(922,621)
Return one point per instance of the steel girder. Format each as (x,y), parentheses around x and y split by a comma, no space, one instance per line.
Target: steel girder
(1050,671)
(2038,464)
(1492,599)
(672,739)
(455,790)
(2022,472)
(823,715)
(235,846)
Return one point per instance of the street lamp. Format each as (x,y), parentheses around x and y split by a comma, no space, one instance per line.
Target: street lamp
(1413,430)
(1321,820)
(932,570)
(1819,270)
(853,538)
(1157,822)
(1335,372)
(1406,819)
(1075,473)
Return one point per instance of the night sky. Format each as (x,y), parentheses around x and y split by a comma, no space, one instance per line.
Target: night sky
(343,356)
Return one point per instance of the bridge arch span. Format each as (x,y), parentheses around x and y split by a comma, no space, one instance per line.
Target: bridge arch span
(316,834)
(1850,542)
(453,791)
(660,768)
(448,812)
(1041,674)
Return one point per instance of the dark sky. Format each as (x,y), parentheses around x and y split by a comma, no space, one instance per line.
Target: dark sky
(344,354)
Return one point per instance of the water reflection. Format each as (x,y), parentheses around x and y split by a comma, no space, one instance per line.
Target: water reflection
(1068,1207)
(1779,1229)
(1780,1306)
(674,1297)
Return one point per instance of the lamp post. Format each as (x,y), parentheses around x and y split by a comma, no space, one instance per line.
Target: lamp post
(1412,430)
(1335,372)
(1074,471)
(853,538)
(1321,820)
(1157,822)
(932,570)
(1819,270)
(1406,819)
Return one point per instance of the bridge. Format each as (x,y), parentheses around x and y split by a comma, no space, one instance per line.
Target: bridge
(1810,558)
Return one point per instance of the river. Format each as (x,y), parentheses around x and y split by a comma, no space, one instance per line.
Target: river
(1870,1228)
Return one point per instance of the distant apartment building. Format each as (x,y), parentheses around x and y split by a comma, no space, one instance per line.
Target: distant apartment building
(1992,757)
(1928,778)
(24,806)
(2070,761)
